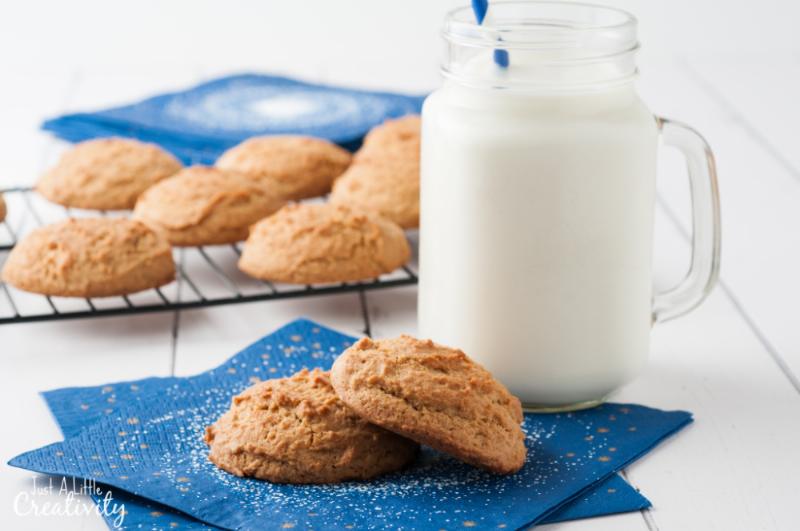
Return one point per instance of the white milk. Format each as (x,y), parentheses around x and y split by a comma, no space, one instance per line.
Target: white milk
(538,197)
(536,234)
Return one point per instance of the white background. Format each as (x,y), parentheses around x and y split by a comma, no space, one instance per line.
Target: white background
(730,68)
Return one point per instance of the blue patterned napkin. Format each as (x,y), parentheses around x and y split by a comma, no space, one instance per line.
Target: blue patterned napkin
(144,437)
(610,497)
(198,124)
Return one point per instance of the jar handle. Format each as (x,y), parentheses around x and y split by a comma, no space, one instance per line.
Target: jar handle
(704,269)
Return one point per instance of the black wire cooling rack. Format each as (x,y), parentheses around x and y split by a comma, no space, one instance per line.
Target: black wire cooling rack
(206,276)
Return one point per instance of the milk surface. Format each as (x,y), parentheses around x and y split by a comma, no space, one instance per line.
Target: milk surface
(536,235)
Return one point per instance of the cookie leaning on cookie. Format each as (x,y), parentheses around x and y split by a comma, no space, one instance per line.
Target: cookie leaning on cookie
(90,257)
(205,206)
(293,167)
(106,174)
(397,138)
(388,187)
(296,430)
(310,243)
(434,395)
(384,176)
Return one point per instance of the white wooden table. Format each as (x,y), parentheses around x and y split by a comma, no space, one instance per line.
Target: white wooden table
(734,362)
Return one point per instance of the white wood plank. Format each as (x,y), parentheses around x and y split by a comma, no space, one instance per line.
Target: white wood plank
(118,86)
(761,246)
(759,94)
(356,37)
(26,100)
(617,522)
(732,469)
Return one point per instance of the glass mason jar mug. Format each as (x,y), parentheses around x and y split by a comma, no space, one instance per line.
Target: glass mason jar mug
(538,198)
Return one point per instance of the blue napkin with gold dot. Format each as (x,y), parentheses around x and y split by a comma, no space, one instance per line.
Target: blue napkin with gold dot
(199,123)
(143,440)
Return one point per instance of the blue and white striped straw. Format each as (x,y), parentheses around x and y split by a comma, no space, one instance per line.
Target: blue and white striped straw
(480,8)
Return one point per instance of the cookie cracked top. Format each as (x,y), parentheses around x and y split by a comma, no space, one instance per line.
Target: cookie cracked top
(435,395)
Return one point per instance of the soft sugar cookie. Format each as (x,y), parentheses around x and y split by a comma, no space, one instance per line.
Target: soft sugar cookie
(90,257)
(296,430)
(205,206)
(384,176)
(106,174)
(436,396)
(310,243)
(293,167)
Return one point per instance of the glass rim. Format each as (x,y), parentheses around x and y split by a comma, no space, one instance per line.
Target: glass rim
(461,28)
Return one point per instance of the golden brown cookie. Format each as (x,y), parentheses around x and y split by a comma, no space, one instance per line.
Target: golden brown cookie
(294,167)
(389,187)
(393,138)
(205,206)
(295,430)
(384,176)
(2,208)
(436,396)
(310,243)
(106,174)
(90,257)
